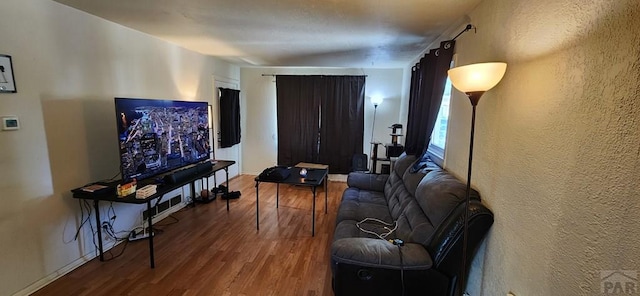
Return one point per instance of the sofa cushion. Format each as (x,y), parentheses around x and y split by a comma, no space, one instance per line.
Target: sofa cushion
(436,196)
(358,204)
(365,196)
(379,253)
(356,210)
(439,193)
(400,193)
(403,163)
(394,190)
(371,182)
(411,178)
(348,228)
(413,225)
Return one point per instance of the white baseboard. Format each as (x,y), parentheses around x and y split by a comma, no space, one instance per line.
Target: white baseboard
(39,284)
(54,276)
(338,177)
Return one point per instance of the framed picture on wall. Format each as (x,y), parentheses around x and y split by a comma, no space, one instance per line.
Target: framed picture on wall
(7,83)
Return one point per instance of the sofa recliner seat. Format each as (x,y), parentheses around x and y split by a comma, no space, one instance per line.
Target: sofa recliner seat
(426,206)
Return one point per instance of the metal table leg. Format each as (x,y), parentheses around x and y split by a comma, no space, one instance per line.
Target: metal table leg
(326,189)
(149,219)
(97,209)
(226,170)
(192,187)
(313,212)
(257,207)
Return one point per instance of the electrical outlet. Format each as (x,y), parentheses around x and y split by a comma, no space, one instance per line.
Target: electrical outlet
(106,237)
(106,234)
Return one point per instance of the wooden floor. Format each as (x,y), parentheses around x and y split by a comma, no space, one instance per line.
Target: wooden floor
(210,251)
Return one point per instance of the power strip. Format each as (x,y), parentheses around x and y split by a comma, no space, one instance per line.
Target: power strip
(139,236)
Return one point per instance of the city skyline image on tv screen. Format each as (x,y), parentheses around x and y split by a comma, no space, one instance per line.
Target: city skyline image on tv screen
(157,136)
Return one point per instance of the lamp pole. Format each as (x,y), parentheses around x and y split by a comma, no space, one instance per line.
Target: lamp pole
(473,80)
(374,154)
(373,126)
(474,97)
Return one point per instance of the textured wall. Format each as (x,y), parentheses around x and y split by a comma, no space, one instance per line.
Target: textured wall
(557,143)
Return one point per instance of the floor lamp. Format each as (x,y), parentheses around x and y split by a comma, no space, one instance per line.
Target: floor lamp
(473,80)
(376,101)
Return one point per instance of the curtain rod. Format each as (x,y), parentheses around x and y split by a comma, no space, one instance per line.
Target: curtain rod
(467,28)
(274,75)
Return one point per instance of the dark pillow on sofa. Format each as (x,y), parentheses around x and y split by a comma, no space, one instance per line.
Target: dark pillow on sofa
(424,162)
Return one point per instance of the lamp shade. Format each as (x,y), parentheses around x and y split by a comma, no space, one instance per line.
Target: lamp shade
(477,77)
(376,100)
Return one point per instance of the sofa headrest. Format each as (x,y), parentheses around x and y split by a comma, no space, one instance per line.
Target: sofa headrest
(402,163)
(439,193)
(411,179)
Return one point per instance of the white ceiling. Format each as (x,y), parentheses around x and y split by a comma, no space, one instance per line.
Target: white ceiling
(300,33)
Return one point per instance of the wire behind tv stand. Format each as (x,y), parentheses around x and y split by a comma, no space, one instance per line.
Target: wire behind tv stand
(201,171)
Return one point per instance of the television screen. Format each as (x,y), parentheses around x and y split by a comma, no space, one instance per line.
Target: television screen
(157,136)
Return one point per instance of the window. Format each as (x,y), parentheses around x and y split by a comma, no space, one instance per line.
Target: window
(439,134)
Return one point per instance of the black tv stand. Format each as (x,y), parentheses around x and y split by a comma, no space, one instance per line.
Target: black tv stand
(111,196)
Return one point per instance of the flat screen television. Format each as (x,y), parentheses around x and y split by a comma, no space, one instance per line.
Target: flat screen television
(158,136)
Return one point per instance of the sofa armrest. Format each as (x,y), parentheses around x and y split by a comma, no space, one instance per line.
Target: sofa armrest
(377,253)
(364,181)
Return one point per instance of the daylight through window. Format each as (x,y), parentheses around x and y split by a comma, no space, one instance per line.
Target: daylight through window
(439,134)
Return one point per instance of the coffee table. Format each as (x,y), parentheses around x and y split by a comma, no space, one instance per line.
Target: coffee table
(308,165)
(315,177)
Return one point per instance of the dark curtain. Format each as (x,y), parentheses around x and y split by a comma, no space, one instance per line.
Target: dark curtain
(342,121)
(305,136)
(229,117)
(298,108)
(428,79)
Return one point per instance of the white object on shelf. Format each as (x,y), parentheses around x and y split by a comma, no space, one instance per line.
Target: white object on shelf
(146,191)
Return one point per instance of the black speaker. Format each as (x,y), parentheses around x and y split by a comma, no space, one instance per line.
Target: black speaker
(180,176)
(204,167)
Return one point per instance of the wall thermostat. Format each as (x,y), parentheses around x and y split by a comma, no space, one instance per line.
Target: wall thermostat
(10,123)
